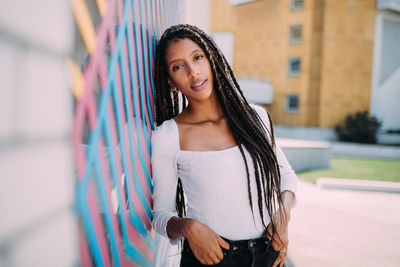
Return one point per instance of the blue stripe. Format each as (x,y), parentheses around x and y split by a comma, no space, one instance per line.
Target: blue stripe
(87,220)
(106,209)
(141,158)
(134,253)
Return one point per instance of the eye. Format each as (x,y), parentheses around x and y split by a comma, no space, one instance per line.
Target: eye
(198,57)
(175,68)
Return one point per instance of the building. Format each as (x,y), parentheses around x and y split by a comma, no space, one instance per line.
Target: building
(325,59)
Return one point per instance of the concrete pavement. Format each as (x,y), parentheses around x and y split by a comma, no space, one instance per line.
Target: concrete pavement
(332,227)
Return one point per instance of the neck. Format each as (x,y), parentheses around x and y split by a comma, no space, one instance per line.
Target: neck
(206,110)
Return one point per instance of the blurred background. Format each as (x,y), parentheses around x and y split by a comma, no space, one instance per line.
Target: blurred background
(76,114)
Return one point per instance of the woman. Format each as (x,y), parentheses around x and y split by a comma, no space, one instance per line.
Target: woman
(221,152)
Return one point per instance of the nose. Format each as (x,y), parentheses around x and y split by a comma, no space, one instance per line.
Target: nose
(193,72)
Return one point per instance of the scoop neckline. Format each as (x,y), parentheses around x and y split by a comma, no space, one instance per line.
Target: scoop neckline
(199,151)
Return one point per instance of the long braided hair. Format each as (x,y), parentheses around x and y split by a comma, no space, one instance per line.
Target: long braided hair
(247,128)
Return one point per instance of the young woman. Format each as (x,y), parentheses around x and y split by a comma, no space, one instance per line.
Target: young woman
(220,150)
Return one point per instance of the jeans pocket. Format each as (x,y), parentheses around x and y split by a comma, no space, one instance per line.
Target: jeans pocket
(270,249)
(226,256)
(273,249)
(188,258)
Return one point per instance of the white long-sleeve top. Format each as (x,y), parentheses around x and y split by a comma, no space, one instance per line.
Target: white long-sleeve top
(214,182)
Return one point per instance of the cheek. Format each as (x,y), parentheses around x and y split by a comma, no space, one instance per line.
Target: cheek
(177,77)
(208,67)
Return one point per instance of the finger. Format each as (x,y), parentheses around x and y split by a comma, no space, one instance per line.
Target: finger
(282,261)
(215,260)
(278,261)
(223,243)
(277,246)
(205,261)
(209,261)
(282,256)
(202,261)
(211,258)
(276,238)
(219,255)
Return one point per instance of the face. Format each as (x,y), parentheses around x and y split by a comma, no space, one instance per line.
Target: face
(189,69)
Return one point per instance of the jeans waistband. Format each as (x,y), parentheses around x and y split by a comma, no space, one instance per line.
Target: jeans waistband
(247,244)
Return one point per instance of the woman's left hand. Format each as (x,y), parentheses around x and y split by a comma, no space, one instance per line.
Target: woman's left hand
(279,240)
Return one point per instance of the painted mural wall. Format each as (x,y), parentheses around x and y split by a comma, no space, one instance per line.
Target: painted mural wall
(113,120)
(75,164)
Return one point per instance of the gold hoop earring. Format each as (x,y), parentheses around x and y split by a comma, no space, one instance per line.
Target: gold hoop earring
(173,88)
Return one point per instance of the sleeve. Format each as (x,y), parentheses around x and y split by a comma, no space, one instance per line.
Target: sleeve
(165,179)
(288,176)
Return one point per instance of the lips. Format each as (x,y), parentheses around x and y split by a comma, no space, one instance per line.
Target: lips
(199,85)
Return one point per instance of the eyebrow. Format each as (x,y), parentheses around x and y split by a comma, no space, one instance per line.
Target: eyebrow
(194,51)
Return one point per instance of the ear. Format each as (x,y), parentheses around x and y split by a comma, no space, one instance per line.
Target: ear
(171,83)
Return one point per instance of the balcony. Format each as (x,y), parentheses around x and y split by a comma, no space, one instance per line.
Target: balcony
(257,91)
(393,5)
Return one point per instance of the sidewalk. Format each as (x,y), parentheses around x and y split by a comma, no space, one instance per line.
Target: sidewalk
(344,228)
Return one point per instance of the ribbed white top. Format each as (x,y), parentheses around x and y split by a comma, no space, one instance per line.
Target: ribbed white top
(215,184)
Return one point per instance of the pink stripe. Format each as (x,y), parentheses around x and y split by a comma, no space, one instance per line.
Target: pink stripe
(98,228)
(169,12)
(130,231)
(135,199)
(86,108)
(120,12)
(118,80)
(105,171)
(84,249)
(127,74)
(86,102)
(130,111)
(79,120)
(139,167)
(80,158)
(142,138)
(147,84)
(138,204)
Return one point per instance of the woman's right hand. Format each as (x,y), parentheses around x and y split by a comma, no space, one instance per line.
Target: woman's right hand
(204,242)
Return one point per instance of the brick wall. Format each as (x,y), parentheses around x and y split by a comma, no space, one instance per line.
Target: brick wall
(37,180)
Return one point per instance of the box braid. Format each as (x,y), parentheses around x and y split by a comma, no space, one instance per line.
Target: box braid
(247,127)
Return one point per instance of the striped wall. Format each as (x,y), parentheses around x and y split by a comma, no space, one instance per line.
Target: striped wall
(113,119)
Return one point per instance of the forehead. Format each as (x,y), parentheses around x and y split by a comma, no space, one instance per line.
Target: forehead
(180,48)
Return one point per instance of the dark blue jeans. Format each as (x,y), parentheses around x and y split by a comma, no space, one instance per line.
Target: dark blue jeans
(242,253)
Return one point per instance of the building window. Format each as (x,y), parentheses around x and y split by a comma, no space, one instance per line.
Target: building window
(294,66)
(295,34)
(292,103)
(239,2)
(296,4)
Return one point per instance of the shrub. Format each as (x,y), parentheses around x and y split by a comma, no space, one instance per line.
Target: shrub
(360,128)
(393,131)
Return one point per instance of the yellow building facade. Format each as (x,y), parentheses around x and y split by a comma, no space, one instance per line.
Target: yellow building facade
(317,54)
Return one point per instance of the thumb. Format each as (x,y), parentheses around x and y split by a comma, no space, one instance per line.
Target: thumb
(223,243)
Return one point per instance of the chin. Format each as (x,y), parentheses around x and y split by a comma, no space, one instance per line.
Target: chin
(200,96)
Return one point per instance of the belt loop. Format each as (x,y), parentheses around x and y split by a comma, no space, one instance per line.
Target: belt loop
(231,245)
(251,246)
(267,242)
